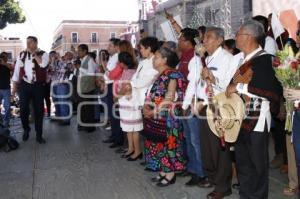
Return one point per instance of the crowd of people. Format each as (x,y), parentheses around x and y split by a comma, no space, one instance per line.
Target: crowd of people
(153,96)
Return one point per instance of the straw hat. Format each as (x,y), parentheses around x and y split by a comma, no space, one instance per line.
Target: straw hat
(232,113)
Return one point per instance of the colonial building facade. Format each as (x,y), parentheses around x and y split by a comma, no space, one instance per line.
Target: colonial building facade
(96,34)
(12,46)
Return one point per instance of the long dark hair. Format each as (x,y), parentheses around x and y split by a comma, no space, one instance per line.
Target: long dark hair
(127,59)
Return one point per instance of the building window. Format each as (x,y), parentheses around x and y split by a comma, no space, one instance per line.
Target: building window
(112,35)
(94,37)
(74,37)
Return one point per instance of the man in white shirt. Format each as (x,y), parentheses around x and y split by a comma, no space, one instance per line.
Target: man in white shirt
(191,124)
(270,45)
(30,77)
(263,94)
(113,50)
(216,159)
(86,89)
(116,137)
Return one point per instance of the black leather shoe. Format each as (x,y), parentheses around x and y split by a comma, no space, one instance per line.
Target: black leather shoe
(65,123)
(108,141)
(168,182)
(80,128)
(139,157)
(115,145)
(127,155)
(236,186)
(193,181)
(204,183)
(41,140)
(121,150)
(26,135)
(218,195)
(90,129)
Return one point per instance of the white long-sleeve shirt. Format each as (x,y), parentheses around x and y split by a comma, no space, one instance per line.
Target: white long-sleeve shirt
(195,68)
(28,66)
(219,63)
(270,45)
(111,64)
(143,79)
(265,113)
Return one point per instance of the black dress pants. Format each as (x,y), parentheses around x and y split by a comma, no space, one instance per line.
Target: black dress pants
(34,92)
(252,162)
(216,160)
(47,97)
(278,134)
(117,134)
(87,111)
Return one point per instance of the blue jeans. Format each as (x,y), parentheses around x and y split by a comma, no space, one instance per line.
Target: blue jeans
(5,97)
(61,110)
(296,141)
(192,136)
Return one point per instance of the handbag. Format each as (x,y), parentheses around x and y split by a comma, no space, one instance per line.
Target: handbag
(155,129)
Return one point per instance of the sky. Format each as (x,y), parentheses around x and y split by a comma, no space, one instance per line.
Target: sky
(44,16)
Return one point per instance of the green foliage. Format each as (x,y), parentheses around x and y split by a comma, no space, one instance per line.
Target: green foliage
(10,12)
(288,77)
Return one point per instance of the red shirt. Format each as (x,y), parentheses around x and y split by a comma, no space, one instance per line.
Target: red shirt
(185,60)
(116,73)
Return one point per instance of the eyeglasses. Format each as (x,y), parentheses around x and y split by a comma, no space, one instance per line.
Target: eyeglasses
(238,34)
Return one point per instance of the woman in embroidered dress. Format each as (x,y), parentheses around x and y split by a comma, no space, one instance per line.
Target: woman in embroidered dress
(167,90)
(130,116)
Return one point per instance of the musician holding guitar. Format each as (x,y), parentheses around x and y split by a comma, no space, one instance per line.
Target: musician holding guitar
(255,81)
(215,76)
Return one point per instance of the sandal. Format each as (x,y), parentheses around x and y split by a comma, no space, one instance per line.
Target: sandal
(158,178)
(167,182)
(289,191)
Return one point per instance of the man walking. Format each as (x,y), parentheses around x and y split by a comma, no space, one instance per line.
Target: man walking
(30,78)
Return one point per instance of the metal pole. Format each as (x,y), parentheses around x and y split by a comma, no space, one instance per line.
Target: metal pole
(184,13)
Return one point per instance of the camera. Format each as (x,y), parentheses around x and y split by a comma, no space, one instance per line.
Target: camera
(77,61)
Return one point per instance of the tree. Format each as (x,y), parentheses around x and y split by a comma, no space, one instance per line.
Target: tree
(10,12)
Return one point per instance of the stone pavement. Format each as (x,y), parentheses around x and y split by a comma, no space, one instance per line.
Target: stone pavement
(76,165)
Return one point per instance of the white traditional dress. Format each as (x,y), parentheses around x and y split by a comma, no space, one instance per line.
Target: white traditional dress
(130,113)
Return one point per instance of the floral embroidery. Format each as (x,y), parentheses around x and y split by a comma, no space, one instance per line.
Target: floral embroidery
(167,156)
